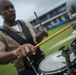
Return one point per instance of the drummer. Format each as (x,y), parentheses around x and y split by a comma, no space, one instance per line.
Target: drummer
(10,48)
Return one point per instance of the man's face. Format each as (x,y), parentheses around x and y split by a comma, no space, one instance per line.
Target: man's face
(7,11)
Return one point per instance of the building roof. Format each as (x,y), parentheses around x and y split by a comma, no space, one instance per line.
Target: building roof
(50,8)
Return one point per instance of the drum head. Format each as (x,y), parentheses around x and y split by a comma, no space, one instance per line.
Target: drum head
(54,62)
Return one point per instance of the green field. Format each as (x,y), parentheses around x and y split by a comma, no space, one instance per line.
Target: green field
(10,69)
(58,38)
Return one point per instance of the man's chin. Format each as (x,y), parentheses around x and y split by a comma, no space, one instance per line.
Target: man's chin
(12,19)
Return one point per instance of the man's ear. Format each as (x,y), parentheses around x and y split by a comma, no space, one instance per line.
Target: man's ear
(0,12)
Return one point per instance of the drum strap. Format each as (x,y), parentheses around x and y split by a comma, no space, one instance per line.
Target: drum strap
(14,35)
(17,37)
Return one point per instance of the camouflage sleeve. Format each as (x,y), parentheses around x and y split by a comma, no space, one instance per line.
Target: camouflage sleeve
(2,44)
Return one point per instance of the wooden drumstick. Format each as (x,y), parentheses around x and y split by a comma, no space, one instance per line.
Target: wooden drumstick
(49,38)
(39,20)
(65,28)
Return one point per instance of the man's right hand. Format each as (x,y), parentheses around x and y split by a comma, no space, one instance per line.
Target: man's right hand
(24,50)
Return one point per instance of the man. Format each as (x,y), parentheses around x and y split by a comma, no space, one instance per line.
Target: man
(11,50)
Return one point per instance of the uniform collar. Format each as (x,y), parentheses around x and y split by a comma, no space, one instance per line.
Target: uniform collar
(12,28)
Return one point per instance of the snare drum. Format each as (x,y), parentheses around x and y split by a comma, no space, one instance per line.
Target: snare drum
(54,64)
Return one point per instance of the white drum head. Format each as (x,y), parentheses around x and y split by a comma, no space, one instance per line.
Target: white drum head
(54,62)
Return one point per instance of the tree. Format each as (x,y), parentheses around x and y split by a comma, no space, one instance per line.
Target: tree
(73,9)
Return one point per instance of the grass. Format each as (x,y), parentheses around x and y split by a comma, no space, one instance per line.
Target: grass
(10,69)
(66,44)
(58,38)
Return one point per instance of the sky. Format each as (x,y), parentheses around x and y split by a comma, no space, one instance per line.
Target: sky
(25,8)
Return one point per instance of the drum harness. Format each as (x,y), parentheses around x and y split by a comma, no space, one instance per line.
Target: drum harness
(20,40)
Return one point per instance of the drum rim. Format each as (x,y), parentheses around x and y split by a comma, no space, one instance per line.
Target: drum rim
(64,68)
(47,58)
(57,71)
(52,55)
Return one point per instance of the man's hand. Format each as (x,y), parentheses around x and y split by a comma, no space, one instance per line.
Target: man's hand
(43,33)
(24,50)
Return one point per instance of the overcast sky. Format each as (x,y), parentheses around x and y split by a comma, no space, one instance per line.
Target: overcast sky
(25,8)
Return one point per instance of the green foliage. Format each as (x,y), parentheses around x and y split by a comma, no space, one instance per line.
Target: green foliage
(8,70)
(73,9)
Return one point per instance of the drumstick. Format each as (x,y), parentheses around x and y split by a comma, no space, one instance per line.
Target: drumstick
(39,20)
(65,28)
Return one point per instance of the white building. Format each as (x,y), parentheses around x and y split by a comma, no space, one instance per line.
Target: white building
(52,16)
